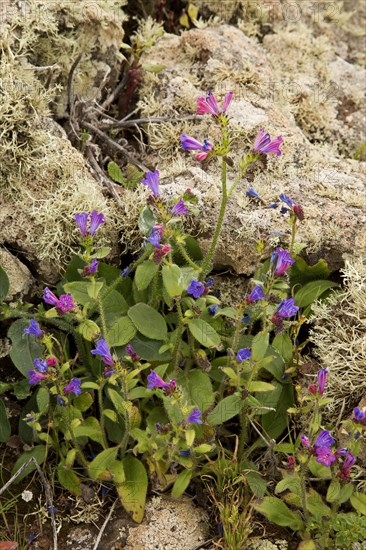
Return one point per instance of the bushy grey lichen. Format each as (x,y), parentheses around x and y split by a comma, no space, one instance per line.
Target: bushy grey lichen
(339,338)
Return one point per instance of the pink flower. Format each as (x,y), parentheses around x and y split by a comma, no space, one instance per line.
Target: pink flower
(325,456)
(209,104)
(191,144)
(263,144)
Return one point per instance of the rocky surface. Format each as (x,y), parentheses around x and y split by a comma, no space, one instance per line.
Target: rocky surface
(20,278)
(331,187)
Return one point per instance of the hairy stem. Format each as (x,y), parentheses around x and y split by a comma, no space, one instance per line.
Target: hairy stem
(206,266)
(180,330)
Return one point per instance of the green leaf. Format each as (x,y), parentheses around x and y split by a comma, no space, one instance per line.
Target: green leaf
(118,472)
(148,349)
(43,400)
(173,280)
(101,253)
(346,492)
(259,345)
(114,306)
(69,480)
(5,429)
(121,332)
(79,291)
(204,333)
(283,344)
(83,401)
(319,470)
(117,400)
(4,284)
(258,385)
(311,292)
(148,321)
(38,452)
(115,173)
(276,511)
(145,273)
(89,428)
(25,347)
(89,330)
(275,423)
(358,501)
(316,505)
(93,288)
(301,273)
(229,407)
(200,389)
(291,482)
(334,491)
(102,462)
(181,483)
(132,492)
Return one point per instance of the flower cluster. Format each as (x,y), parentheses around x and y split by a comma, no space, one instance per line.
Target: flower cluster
(154,381)
(196,288)
(294,206)
(322,380)
(102,349)
(327,456)
(34,329)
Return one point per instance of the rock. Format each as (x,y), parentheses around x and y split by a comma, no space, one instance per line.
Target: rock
(169,525)
(20,278)
(330,188)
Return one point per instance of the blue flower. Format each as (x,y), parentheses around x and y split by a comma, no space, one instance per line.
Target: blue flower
(286,199)
(95,221)
(243,355)
(60,401)
(102,349)
(152,180)
(154,381)
(73,387)
(212,309)
(34,329)
(246,319)
(35,377)
(82,221)
(196,289)
(282,261)
(185,453)
(40,365)
(256,294)
(264,145)
(125,271)
(90,269)
(155,237)
(286,308)
(324,439)
(195,417)
(179,208)
(252,193)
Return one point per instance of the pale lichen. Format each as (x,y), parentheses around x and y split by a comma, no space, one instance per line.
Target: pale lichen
(339,337)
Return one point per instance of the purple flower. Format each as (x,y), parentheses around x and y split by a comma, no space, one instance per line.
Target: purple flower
(65,303)
(108,372)
(82,222)
(209,105)
(154,381)
(196,289)
(73,387)
(179,208)
(263,144)
(324,439)
(305,441)
(90,269)
(283,261)
(349,461)
(95,221)
(152,180)
(286,308)
(131,352)
(42,366)
(212,309)
(359,415)
(191,144)
(34,329)
(35,377)
(49,297)
(322,380)
(102,349)
(256,294)
(325,456)
(252,193)
(243,355)
(195,417)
